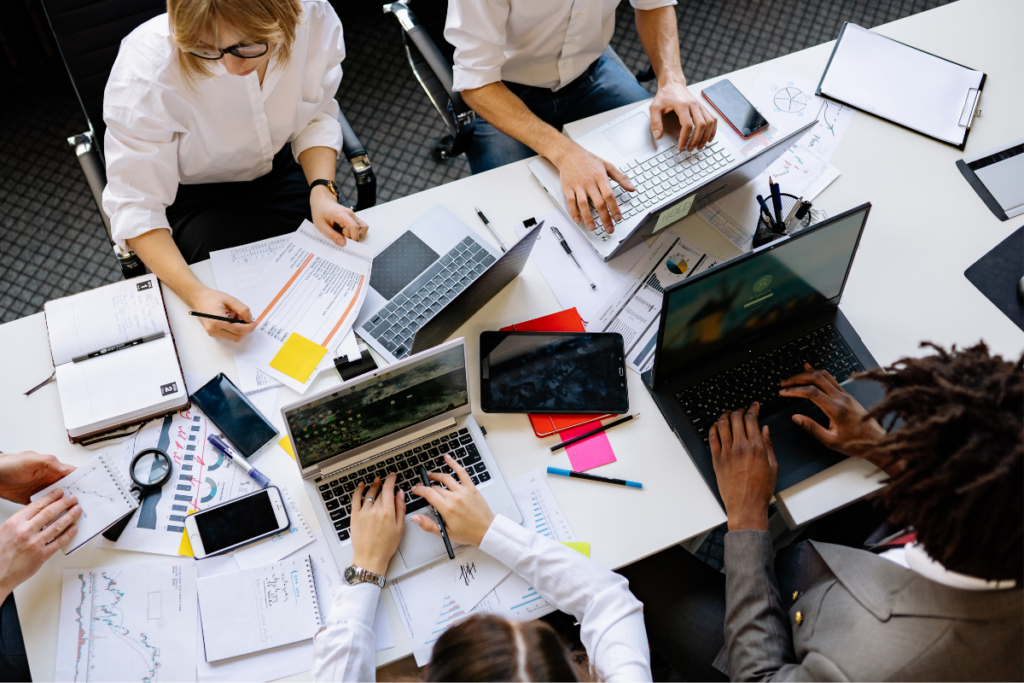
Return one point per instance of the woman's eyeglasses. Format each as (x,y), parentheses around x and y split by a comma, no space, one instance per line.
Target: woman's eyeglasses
(250,51)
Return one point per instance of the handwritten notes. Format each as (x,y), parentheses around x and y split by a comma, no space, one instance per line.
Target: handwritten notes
(298,357)
(470,577)
(589,453)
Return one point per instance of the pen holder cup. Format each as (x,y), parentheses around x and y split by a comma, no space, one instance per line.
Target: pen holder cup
(764,233)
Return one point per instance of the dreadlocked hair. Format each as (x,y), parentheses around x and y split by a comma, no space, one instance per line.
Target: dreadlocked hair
(961,446)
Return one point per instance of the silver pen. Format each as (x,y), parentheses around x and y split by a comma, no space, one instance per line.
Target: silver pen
(494,232)
(565,245)
(117,347)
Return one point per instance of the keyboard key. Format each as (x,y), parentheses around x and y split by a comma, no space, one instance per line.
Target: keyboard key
(464,430)
(479,468)
(349,486)
(332,504)
(343,535)
(338,514)
(328,494)
(336,483)
(484,476)
(324,487)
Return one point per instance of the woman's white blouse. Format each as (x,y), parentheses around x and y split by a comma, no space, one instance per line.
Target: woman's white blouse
(161,131)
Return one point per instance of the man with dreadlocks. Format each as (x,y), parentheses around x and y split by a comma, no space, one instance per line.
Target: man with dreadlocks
(941,599)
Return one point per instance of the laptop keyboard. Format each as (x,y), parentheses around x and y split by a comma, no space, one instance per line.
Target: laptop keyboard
(664,175)
(336,490)
(395,324)
(758,379)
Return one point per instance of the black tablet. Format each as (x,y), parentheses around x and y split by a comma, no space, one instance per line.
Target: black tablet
(552,372)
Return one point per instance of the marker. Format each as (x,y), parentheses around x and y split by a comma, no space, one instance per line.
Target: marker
(565,245)
(222,447)
(217,317)
(594,477)
(437,516)
(118,347)
(494,232)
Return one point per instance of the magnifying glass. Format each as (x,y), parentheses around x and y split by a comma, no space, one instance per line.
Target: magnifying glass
(150,470)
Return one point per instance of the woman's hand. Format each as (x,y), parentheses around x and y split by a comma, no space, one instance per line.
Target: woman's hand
(745,467)
(327,213)
(849,431)
(377,524)
(22,474)
(25,545)
(211,301)
(465,512)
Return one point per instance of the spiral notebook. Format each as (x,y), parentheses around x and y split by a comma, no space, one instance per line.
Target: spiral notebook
(259,608)
(103,495)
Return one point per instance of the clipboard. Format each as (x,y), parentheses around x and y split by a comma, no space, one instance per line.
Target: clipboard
(914,89)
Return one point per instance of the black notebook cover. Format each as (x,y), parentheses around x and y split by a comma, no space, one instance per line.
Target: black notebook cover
(996,274)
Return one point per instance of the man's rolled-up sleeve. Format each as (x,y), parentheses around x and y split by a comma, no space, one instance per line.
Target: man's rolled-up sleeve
(477,30)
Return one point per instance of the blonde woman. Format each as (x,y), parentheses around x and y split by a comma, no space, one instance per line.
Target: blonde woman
(222,129)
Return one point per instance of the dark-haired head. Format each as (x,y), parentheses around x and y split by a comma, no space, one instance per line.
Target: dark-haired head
(961,450)
(490,648)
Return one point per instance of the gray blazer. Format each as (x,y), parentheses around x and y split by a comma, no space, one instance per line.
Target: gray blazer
(862,617)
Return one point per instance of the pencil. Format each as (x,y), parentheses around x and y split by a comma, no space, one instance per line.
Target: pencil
(595,431)
(218,317)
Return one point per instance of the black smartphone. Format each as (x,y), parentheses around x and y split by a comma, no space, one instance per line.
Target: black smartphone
(553,372)
(232,413)
(735,108)
(225,527)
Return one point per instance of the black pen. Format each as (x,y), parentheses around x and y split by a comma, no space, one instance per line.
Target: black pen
(494,232)
(117,347)
(437,515)
(565,245)
(217,317)
(592,432)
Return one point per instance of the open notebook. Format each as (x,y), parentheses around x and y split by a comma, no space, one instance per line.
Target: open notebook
(123,387)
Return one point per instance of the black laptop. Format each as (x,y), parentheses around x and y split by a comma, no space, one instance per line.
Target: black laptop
(730,334)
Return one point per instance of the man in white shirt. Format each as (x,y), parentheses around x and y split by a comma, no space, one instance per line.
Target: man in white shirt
(944,602)
(530,66)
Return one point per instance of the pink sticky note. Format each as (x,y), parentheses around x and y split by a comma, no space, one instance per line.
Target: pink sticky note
(589,453)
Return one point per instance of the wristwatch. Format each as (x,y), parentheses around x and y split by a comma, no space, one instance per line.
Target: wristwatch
(331,185)
(354,575)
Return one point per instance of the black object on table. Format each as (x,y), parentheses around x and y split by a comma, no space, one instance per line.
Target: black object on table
(998,273)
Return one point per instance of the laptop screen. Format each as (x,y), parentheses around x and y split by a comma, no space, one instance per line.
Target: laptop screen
(740,299)
(380,406)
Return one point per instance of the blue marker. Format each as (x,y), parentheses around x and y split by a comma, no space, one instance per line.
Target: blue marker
(594,477)
(229,452)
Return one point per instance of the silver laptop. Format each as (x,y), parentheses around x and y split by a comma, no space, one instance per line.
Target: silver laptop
(430,281)
(395,419)
(670,185)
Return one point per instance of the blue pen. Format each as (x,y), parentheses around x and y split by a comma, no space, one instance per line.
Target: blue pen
(767,213)
(229,452)
(594,477)
(776,200)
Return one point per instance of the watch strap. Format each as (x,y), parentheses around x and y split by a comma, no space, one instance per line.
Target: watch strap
(331,185)
(354,575)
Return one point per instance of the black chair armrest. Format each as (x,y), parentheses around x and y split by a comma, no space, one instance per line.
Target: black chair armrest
(96,176)
(355,152)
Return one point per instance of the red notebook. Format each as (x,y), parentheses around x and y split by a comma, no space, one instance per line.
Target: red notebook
(568,320)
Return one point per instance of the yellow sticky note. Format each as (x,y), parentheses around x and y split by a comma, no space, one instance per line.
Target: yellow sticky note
(582,548)
(298,357)
(286,444)
(186,545)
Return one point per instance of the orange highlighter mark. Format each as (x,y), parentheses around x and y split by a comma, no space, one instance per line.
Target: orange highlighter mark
(285,288)
(347,310)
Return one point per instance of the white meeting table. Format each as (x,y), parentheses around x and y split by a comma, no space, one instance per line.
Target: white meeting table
(907,285)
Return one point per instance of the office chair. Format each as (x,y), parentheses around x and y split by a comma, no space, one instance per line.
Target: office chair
(431,58)
(89,34)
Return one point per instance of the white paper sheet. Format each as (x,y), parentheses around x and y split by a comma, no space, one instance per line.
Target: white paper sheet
(633,310)
(266,401)
(280,545)
(569,285)
(128,623)
(539,508)
(470,576)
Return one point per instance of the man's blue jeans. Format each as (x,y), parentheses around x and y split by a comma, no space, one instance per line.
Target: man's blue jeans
(603,86)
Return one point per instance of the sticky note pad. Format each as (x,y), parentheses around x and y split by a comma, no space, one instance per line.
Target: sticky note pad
(589,453)
(298,357)
(583,548)
(286,444)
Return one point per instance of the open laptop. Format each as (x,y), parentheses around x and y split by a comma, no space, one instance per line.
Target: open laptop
(729,335)
(394,419)
(431,280)
(670,185)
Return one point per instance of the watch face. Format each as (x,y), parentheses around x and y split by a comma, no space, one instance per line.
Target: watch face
(350,575)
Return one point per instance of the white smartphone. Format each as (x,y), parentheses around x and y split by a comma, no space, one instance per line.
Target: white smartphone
(230,525)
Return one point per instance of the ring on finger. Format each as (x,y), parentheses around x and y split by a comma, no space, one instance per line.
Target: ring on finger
(368,499)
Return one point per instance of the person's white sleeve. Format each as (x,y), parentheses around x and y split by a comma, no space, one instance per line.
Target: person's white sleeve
(141,152)
(611,618)
(477,31)
(651,4)
(327,51)
(344,649)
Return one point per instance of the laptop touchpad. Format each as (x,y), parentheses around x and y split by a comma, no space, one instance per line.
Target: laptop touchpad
(417,547)
(399,264)
(633,136)
(798,453)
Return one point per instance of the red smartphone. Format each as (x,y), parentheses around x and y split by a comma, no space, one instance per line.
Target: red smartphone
(738,112)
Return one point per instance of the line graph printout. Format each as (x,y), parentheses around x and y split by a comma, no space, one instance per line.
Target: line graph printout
(132,622)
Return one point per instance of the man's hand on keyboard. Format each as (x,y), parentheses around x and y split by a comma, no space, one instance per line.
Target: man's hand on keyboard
(696,126)
(745,467)
(850,430)
(378,521)
(465,511)
(584,180)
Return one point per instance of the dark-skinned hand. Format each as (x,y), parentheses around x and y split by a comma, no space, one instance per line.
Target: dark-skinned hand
(745,467)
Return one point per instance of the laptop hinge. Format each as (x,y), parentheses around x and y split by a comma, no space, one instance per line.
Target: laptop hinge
(393,446)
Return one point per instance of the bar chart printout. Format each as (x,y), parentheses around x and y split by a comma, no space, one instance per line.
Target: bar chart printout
(128,623)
